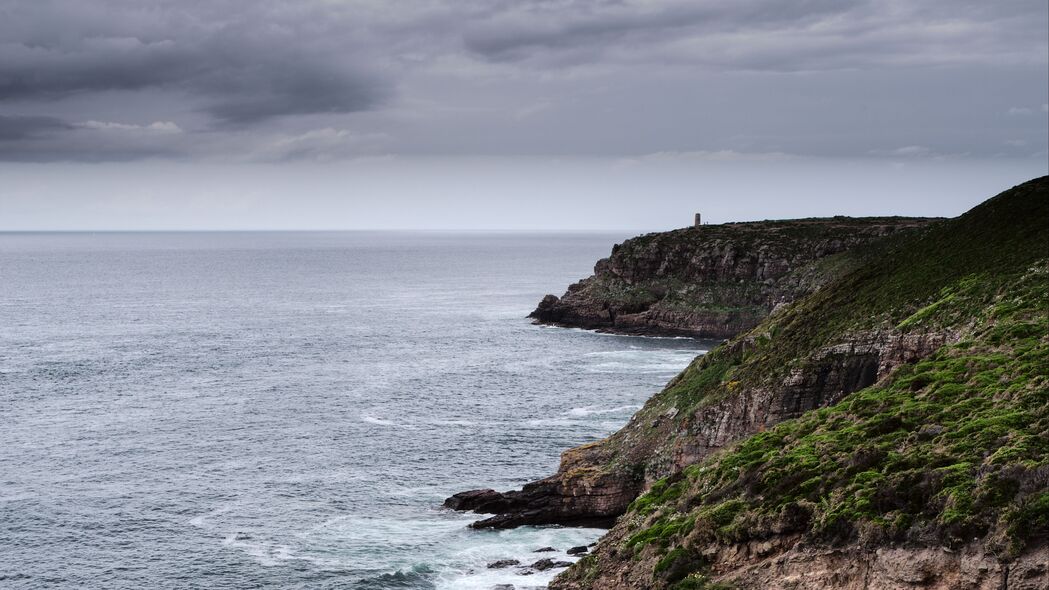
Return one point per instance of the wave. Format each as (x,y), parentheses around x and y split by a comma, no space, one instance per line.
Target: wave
(592,410)
(453,423)
(540,422)
(370,419)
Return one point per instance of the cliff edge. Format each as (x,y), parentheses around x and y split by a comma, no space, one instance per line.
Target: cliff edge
(889,429)
(712,281)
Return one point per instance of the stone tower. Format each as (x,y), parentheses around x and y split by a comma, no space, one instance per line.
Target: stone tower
(698,220)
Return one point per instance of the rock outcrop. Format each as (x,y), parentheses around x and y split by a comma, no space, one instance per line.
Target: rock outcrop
(874,434)
(713,281)
(580,493)
(596,482)
(885,430)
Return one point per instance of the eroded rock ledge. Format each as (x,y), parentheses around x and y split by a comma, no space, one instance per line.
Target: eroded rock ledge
(750,266)
(923,478)
(596,482)
(583,492)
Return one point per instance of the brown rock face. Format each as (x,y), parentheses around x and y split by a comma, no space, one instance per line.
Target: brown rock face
(713,281)
(782,563)
(742,270)
(595,483)
(580,493)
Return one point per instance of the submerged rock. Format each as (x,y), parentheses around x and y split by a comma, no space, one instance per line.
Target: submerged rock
(503,563)
(577,550)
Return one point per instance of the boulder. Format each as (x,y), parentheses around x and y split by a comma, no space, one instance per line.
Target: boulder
(548,564)
(485,501)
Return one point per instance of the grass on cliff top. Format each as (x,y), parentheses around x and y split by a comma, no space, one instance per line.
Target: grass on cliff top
(936,278)
(911,280)
(952,448)
(739,302)
(783,233)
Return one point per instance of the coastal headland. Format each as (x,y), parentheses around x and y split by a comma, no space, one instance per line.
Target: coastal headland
(878,416)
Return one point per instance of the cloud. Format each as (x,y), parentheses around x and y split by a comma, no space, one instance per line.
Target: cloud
(723,155)
(316,144)
(1019,111)
(767,35)
(907,151)
(323,79)
(47,139)
(240,62)
(22,127)
(154,127)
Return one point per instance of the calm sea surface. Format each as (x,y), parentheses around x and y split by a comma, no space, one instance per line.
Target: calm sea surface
(234,410)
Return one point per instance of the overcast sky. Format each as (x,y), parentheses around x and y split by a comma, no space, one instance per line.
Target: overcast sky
(512,114)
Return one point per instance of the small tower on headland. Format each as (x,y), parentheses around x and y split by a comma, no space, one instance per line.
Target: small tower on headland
(698,220)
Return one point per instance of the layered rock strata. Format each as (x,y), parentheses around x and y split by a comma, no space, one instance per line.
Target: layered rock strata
(712,281)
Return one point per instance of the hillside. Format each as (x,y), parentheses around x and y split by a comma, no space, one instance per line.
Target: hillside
(890,429)
(713,281)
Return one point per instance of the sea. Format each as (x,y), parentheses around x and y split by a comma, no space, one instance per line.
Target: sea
(289,410)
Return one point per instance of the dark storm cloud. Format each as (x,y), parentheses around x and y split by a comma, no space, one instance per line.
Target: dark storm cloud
(17,128)
(242,62)
(763,34)
(533,27)
(326,79)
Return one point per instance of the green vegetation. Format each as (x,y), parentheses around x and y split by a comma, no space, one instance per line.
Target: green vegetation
(662,531)
(661,492)
(940,277)
(952,448)
(730,275)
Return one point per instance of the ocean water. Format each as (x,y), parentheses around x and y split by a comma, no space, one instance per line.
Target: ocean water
(288,410)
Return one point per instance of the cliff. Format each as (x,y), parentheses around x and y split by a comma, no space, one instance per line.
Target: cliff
(890,429)
(713,281)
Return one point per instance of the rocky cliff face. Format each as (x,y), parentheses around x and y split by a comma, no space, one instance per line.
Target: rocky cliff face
(713,281)
(787,563)
(888,430)
(582,492)
(597,482)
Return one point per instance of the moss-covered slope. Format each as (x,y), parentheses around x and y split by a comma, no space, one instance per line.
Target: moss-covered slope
(934,430)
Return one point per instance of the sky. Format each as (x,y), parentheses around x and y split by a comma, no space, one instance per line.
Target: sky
(512,114)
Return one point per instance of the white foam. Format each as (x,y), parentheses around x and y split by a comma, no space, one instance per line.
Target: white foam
(265,554)
(370,419)
(592,410)
(637,360)
(453,423)
(541,422)
(468,569)
(201,521)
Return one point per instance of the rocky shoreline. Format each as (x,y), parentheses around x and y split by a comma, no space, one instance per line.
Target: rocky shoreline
(873,429)
(769,262)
